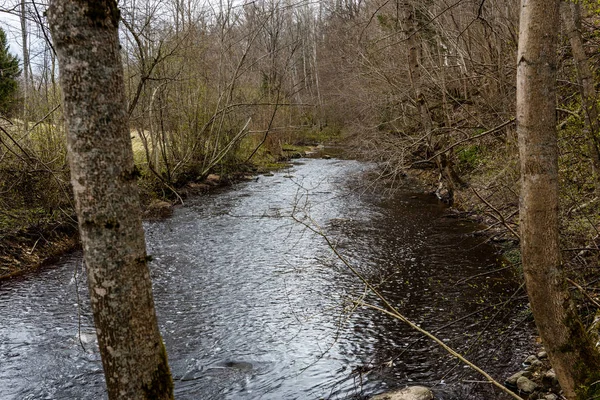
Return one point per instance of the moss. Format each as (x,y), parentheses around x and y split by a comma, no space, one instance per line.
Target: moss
(161,383)
(590,389)
(586,370)
(512,256)
(469,158)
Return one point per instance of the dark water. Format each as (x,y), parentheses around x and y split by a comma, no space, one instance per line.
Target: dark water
(253,305)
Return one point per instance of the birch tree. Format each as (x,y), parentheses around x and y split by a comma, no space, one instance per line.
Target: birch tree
(571,352)
(104,182)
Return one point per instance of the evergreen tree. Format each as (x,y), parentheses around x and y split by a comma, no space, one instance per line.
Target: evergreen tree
(9,72)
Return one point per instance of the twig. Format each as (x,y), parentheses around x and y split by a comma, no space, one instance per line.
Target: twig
(393,312)
(226,149)
(43,118)
(397,315)
(482,274)
(584,292)
(35,244)
(502,220)
(164,182)
(582,249)
(493,130)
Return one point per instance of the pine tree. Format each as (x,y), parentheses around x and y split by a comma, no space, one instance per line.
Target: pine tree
(9,72)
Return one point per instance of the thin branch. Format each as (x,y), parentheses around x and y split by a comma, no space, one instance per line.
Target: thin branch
(584,292)
(493,130)
(43,118)
(482,274)
(393,312)
(396,315)
(500,216)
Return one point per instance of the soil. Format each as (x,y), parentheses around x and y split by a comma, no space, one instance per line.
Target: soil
(30,249)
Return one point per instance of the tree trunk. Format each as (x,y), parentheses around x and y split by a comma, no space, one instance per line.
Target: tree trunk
(570,16)
(24,35)
(414,67)
(571,353)
(104,182)
(449,179)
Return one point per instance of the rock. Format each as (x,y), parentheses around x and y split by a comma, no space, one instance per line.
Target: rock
(444,194)
(525,385)
(158,209)
(511,382)
(326,156)
(198,187)
(542,355)
(513,378)
(530,360)
(549,378)
(213,179)
(237,365)
(536,365)
(409,393)
(268,174)
(551,396)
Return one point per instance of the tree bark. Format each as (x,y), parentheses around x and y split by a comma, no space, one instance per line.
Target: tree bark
(414,67)
(570,15)
(24,35)
(104,182)
(570,350)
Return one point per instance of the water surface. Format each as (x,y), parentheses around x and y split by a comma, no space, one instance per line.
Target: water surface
(254,305)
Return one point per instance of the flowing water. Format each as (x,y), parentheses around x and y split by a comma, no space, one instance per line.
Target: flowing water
(254,304)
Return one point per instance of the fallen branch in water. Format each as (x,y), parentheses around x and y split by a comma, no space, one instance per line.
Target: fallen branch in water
(390,309)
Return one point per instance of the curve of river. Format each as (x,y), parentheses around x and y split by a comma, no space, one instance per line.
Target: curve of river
(253,305)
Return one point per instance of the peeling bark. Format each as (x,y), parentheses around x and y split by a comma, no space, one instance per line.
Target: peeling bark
(104,182)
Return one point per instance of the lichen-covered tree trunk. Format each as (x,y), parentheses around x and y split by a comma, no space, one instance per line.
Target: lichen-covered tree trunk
(104,182)
(571,353)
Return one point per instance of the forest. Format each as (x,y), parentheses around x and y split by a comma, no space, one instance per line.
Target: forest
(490,104)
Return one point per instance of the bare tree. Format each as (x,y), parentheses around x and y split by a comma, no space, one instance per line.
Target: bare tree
(104,182)
(571,16)
(571,352)
(24,35)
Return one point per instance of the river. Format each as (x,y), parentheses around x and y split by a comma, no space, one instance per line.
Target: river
(254,305)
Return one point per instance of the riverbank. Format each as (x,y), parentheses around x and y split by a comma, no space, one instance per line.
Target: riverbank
(29,249)
(34,245)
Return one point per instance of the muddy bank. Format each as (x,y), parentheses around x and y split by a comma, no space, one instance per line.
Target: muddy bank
(30,249)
